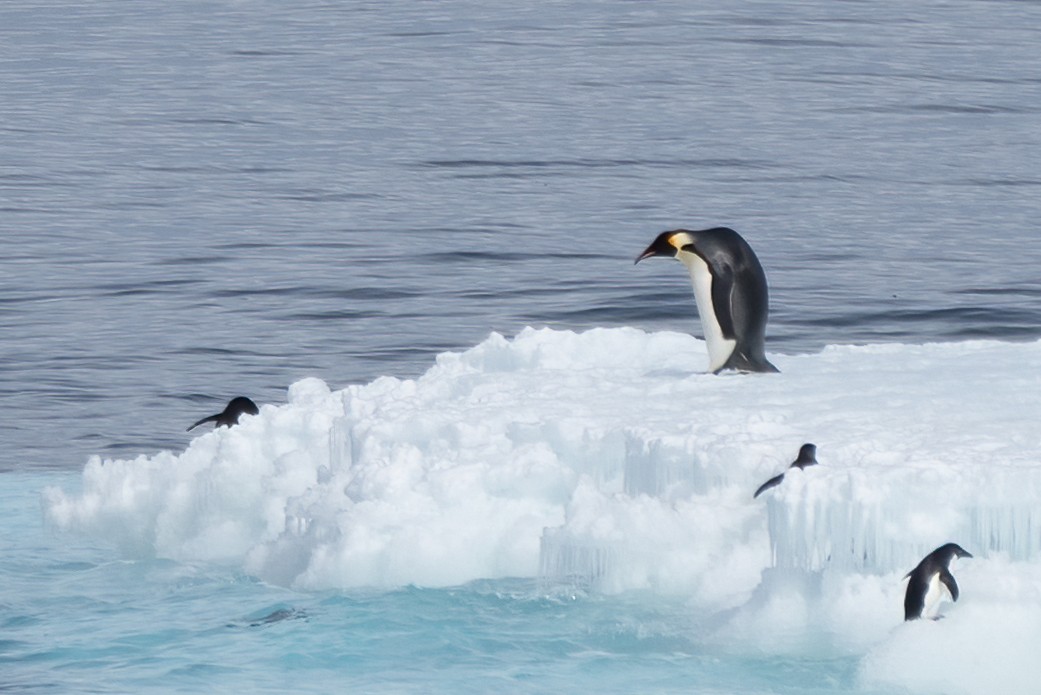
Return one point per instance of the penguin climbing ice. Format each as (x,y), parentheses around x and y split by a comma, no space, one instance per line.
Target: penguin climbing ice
(924,590)
(236,407)
(729,290)
(807,457)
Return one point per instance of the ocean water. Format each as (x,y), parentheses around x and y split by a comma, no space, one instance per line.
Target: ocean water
(76,619)
(199,200)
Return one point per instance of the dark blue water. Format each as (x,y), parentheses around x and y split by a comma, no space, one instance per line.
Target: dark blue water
(202,199)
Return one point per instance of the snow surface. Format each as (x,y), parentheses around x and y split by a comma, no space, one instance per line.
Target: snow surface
(609,461)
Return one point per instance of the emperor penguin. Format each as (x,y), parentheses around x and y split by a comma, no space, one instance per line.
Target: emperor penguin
(923,591)
(807,457)
(729,290)
(230,415)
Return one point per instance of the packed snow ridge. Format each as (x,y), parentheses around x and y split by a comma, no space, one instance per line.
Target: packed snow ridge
(608,458)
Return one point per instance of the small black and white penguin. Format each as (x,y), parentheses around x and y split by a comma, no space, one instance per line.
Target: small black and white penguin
(230,415)
(807,457)
(730,293)
(924,591)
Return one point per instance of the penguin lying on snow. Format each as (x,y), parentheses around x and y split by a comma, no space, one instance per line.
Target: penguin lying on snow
(807,457)
(923,591)
(230,415)
(729,290)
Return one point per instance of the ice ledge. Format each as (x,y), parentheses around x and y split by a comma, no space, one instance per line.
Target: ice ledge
(886,519)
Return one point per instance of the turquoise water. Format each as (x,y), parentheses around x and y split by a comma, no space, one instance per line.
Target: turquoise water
(76,618)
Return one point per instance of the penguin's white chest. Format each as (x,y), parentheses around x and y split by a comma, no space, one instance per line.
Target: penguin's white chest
(719,347)
(933,595)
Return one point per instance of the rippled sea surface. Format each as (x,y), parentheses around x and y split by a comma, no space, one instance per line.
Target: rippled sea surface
(202,199)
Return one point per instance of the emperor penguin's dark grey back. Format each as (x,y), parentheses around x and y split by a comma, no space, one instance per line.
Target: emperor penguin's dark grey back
(739,286)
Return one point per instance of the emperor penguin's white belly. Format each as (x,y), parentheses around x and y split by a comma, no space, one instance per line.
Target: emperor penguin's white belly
(719,348)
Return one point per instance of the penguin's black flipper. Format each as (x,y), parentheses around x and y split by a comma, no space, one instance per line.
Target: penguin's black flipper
(772,482)
(948,581)
(722,288)
(211,418)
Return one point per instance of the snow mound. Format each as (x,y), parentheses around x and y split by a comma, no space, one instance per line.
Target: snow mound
(609,460)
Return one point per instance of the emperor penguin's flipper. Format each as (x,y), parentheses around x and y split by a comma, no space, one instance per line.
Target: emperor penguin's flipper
(722,288)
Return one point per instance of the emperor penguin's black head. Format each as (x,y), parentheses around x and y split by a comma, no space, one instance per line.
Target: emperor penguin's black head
(668,244)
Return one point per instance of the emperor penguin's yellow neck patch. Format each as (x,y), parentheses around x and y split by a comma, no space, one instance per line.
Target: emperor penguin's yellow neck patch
(679,240)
